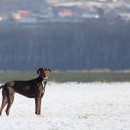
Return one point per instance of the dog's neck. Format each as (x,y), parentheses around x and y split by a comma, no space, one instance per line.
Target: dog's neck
(43,80)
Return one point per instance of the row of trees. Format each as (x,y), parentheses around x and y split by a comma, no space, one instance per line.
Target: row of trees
(65,46)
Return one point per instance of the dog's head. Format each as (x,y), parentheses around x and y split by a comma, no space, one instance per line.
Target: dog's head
(43,72)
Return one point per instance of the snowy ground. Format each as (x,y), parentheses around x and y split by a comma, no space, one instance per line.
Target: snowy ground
(73,106)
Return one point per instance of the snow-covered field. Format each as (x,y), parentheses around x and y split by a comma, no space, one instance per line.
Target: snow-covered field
(73,106)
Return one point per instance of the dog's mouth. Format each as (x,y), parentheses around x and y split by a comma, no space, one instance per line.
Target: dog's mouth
(43,77)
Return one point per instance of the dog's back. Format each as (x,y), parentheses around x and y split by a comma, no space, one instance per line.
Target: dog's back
(25,88)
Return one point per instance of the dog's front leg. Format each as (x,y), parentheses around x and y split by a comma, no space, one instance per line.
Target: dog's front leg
(38,106)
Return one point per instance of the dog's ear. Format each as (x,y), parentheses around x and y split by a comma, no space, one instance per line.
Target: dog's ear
(49,70)
(39,70)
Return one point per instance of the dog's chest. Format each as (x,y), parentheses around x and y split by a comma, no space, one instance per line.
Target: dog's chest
(44,83)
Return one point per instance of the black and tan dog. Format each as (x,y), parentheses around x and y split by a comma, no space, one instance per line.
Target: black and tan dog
(34,88)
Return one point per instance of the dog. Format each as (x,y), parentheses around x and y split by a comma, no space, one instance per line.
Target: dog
(34,88)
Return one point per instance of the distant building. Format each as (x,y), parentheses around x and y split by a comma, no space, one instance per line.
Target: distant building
(66,13)
(21,14)
(124,16)
(1,18)
(88,15)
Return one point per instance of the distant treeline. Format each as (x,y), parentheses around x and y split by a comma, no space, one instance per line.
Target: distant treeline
(86,45)
(69,76)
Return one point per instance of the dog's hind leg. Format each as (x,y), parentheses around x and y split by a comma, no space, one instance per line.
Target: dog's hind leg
(4,101)
(10,100)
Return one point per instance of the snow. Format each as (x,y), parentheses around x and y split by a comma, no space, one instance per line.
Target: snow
(73,106)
